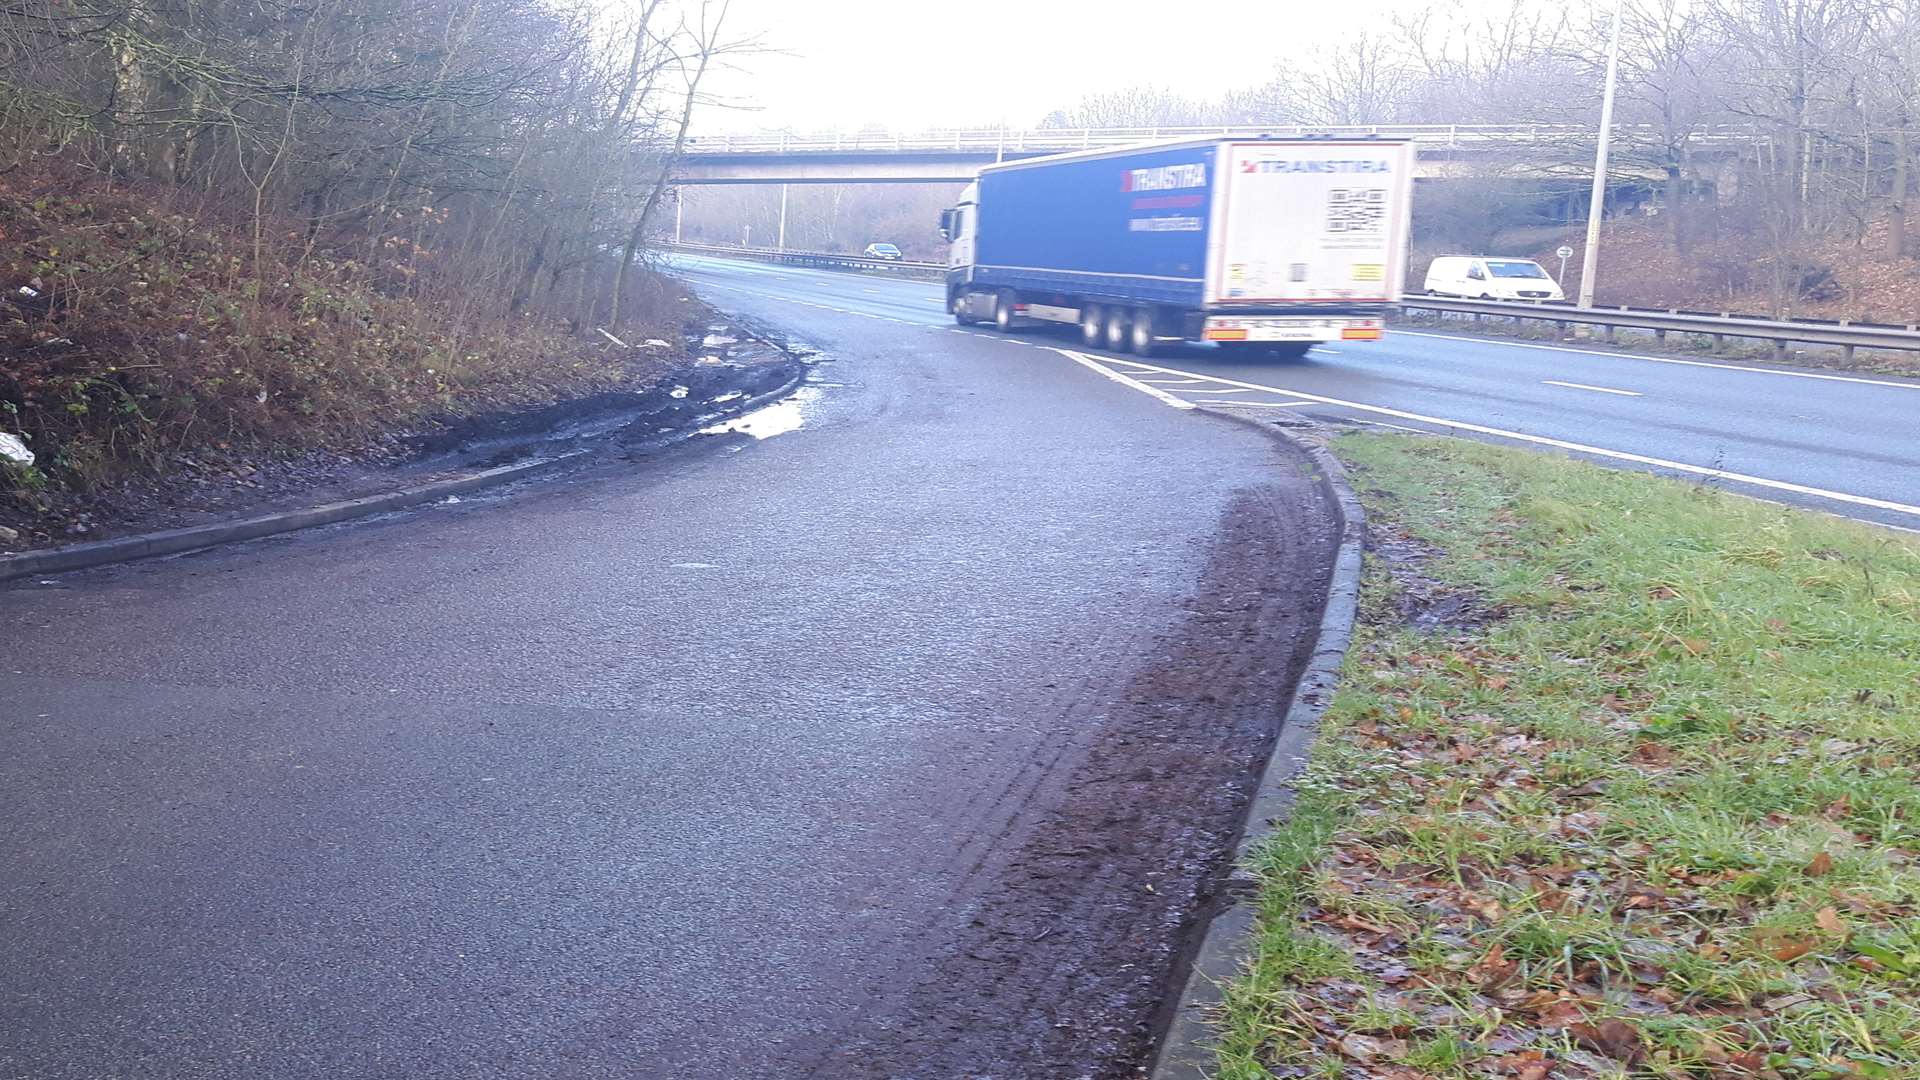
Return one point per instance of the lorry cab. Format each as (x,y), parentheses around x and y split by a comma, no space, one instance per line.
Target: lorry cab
(1475,277)
(958,227)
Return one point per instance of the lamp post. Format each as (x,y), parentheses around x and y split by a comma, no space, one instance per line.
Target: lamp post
(1590,259)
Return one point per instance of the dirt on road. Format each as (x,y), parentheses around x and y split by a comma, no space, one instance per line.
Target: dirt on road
(1076,939)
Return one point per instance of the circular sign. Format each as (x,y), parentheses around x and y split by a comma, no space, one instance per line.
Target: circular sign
(1565,252)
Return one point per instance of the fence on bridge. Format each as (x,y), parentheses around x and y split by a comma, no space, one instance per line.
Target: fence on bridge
(1718,326)
(1054,140)
(823,260)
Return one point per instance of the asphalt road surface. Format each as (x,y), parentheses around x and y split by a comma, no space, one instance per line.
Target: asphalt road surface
(898,738)
(1842,443)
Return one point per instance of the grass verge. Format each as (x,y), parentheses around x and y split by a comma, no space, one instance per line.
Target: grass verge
(1623,779)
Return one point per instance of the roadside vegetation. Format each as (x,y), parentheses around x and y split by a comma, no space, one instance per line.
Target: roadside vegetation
(228,228)
(1765,158)
(1623,779)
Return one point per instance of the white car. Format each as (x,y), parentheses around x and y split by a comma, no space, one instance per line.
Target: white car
(1491,278)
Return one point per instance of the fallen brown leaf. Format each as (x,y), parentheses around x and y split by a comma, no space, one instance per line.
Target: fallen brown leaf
(1821,865)
(1494,969)
(1614,1038)
(1791,949)
(1365,1048)
(1348,922)
(1563,1013)
(1830,921)
(1650,753)
(1524,1064)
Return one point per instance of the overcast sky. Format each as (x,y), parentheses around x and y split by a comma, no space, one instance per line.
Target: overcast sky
(910,64)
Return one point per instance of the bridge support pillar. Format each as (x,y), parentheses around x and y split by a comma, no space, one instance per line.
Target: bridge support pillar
(782,245)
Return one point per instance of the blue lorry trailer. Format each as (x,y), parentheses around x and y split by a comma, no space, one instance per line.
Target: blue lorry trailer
(1257,244)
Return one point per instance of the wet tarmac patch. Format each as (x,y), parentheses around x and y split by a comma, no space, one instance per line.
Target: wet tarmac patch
(1073,947)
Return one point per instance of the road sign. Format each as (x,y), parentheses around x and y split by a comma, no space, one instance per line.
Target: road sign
(1564,252)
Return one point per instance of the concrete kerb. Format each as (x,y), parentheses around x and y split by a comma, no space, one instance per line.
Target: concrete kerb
(1186,1051)
(194,538)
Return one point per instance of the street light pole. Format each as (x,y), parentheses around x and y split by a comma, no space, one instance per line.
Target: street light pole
(1590,259)
(782,245)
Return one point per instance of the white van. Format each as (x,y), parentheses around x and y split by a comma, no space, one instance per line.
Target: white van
(1490,278)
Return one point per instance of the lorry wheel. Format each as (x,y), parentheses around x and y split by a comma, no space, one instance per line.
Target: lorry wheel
(1140,339)
(1288,350)
(958,305)
(1003,311)
(1116,335)
(1093,322)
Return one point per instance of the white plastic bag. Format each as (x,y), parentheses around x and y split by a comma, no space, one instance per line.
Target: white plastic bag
(13,451)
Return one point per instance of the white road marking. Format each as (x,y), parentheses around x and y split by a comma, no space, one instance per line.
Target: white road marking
(1396,427)
(1173,382)
(1670,360)
(1234,390)
(1151,391)
(1595,389)
(1537,440)
(1267,404)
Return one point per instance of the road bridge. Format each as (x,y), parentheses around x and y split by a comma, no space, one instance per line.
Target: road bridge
(956,155)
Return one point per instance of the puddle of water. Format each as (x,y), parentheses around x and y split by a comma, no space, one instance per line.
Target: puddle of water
(678,392)
(714,341)
(775,419)
(730,395)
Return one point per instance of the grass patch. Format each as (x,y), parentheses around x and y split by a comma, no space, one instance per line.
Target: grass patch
(1657,817)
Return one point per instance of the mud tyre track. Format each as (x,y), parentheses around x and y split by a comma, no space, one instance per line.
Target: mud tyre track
(1073,938)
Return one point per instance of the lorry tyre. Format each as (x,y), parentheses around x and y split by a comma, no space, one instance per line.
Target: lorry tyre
(1288,350)
(1140,339)
(1116,335)
(958,305)
(1003,311)
(1093,323)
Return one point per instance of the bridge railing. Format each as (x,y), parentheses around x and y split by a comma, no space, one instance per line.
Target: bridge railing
(819,259)
(1007,140)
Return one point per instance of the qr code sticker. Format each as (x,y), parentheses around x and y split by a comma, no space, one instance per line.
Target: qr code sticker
(1356,210)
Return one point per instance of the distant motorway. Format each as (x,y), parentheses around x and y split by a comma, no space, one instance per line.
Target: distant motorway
(1833,441)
